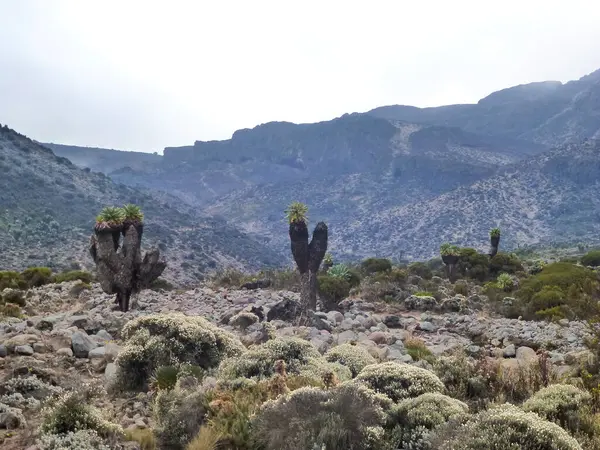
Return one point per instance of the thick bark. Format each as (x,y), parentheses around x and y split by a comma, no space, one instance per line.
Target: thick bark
(493,251)
(495,241)
(302,318)
(299,245)
(122,271)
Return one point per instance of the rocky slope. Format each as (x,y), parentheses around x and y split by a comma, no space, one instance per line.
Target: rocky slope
(549,112)
(48,207)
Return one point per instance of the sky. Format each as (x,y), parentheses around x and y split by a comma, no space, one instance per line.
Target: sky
(144,75)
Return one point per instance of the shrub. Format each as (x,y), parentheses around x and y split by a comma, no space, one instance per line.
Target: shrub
(455,371)
(170,340)
(472,264)
(79,440)
(505,425)
(339,271)
(461,288)
(591,258)
(412,420)
(165,377)
(13,296)
(505,282)
(179,414)
(11,280)
(37,276)
(144,437)
(505,262)
(12,417)
(417,349)
(398,380)
(420,269)
(332,290)
(374,265)
(206,439)
(73,275)
(560,403)
(10,310)
(352,356)
(259,362)
(346,417)
(72,412)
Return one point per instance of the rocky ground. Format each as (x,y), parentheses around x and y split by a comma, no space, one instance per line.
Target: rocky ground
(71,335)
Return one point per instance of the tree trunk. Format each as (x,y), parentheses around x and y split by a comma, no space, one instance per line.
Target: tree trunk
(313,286)
(302,317)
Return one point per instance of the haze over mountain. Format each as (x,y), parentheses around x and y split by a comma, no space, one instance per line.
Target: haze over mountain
(397,181)
(48,207)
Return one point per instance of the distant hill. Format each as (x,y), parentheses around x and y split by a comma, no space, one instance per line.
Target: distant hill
(549,113)
(48,206)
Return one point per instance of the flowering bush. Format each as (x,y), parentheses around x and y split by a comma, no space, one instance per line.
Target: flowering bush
(352,356)
(560,403)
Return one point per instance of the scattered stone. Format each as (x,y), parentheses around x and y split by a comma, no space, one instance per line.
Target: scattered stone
(419,303)
(510,351)
(427,326)
(3,351)
(65,351)
(82,343)
(284,310)
(24,350)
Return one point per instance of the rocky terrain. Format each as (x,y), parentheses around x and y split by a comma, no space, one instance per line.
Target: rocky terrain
(48,208)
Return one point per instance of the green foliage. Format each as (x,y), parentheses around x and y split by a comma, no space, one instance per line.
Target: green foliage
(143,436)
(12,296)
(399,381)
(352,356)
(375,265)
(297,212)
(495,232)
(73,275)
(13,280)
(132,213)
(505,262)
(328,259)
(461,287)
(37,276)
(333,290)
(418,350)
(424,294)
(472,264)
(494,428)
(346,417)
(505,282)
(339,271)
(165,377)
(591,258)
(111,216)
(170,340)
(421,269)
(446,249)
(10,310)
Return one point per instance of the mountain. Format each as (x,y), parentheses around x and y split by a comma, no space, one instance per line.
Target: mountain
(48,206)
(550,113)
(551,197)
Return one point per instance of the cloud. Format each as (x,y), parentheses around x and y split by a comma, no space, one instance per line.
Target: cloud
(142,75)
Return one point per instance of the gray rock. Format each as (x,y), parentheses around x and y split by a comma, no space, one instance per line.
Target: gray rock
(104,335)
(48,322)
(473,350)
(24,350)
(393,322)
(110,372)
(346,336)
(3,351)
(510,351)
(81,344)
(39,347)
(347,324)
(427,326)
(420,303)
(525,354)
(65,351)
(335,317)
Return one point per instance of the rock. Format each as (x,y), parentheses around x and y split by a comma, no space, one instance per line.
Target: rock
(258,311)
(319,322)
(346,336)
(243,320)
(24,350)
(473,350)
(284,310)
(525,354)
(82,343)
(11,418)
(427,326)
(509,351)
(381,337)
(48,322)
(65,351)
(452,304)
(335,317)
(393,322)
(97,358)
(110,372)
(111,351)
(3,351)
(59,341)
(39,347)
(21,339)
(419,303)
(258,284)
(139,423)
(104,335)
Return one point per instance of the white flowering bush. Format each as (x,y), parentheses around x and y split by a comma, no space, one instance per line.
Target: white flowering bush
(349,416)
(352,356)
(79,440)
(29,387)
(18,400)
(317,369)
(12,417)
(562,403)
(170,340)
(505,427)
(259,361)
(243,320)
(179,414)
(399,381)
(73,412)
(412,420)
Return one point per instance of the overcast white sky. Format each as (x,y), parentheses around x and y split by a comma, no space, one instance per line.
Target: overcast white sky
(142,75)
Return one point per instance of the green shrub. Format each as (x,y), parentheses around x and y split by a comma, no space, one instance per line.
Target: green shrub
(420,269)
(505,282)
(461,288)
(591,258)
(37,276)
(72,412)
(259,361)
(346,417)
(472,264)
(11,280)
(352,356)
(10,310)
(332,290)
(12,296)
(179,414)
(374,265)
(398,380)
(161,284)
(73,275)
(417,349)
(504,427)
(455,371)
(561,403)
(412,420)
(505,262)
(170,339)
(165,377)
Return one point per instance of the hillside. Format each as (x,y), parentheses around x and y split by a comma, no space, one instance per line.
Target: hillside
(48,206)
(552,197)
(549,113)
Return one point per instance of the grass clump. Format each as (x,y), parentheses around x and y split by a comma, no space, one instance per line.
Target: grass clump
(73,275)
(591,258)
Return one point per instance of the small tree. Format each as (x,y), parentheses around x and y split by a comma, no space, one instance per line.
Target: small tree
(308,256)
(450,254)
(121,269)
(494,241)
